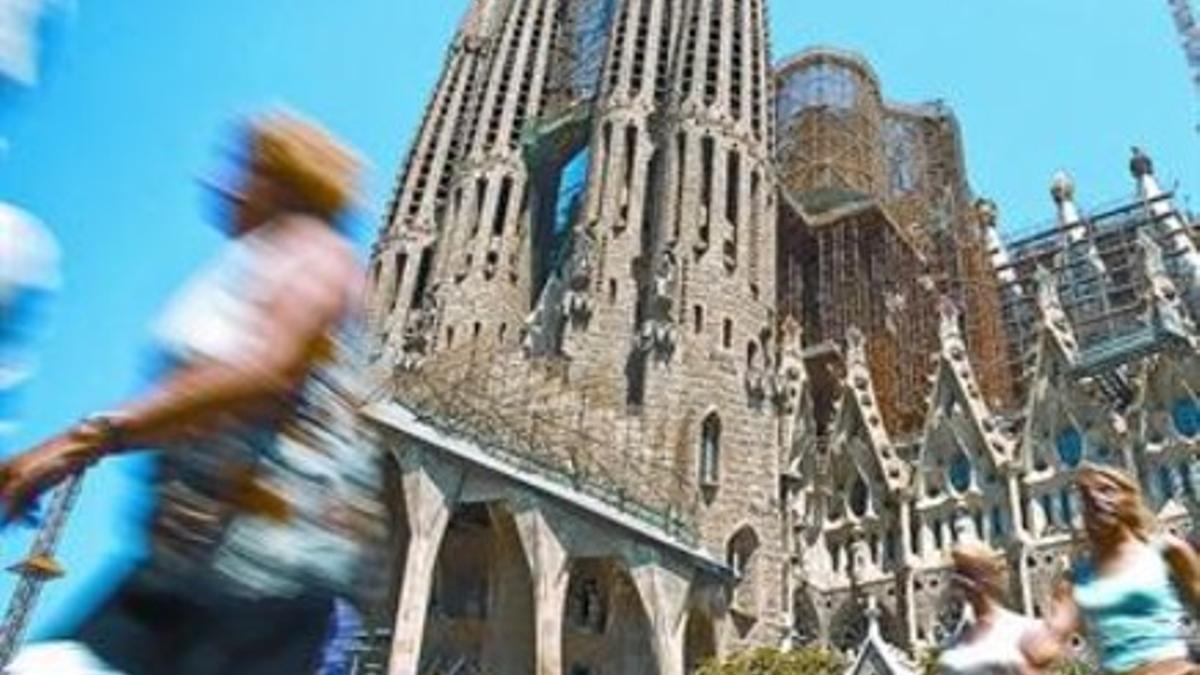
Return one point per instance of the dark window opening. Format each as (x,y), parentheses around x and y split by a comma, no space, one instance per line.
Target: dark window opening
(502,207)
(707,149)
(710,450)
(424,266)
(480,194)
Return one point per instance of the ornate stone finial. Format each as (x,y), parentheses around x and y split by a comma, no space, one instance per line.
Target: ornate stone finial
(791,335)
(1062,188)
(988,212)
(1166,305)
(856,347)
(949,329)
(1141,165)
(874,615)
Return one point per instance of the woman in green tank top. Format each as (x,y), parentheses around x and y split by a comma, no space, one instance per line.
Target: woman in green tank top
(1126,594)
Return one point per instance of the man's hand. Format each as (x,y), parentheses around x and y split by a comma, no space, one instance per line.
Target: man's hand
(25,477)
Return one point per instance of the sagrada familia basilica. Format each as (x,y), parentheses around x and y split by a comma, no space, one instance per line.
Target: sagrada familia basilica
(690,349)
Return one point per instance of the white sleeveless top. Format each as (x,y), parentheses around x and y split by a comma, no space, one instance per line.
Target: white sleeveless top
(995,652)
(214,316)
(313,456)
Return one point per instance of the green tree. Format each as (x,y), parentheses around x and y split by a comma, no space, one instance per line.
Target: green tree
(927,661)
(769,661)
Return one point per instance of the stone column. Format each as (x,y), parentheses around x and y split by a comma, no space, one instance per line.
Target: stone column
(928,541)
(1024,582)
(906,542)
(382,294)
(1041,519)
(428,514)
(665,592)
(549,568)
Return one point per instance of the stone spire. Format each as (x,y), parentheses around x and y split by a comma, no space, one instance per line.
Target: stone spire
(988,214)
(1062,189)
(1163,211)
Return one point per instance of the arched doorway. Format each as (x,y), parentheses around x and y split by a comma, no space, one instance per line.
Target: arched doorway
(605,626)
(481,609)
(848,627)
(806,622)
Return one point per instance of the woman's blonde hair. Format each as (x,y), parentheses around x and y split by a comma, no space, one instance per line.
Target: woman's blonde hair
(319,174)
(1139,519)
(982,565)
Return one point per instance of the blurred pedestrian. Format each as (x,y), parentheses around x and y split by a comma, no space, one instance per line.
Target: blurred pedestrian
(28,274)
(1127,593)
(265,496)
(993,642)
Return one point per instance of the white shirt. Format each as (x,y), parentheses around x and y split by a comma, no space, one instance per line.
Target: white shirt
(997,651)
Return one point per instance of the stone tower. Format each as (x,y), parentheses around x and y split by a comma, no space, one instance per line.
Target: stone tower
(674,377)
(587,214)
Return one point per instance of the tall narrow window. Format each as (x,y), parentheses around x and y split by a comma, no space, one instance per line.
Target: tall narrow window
(631,137)
(680,179)
(733,189)
(755,190)
(423,270)
(710,451)
(480,194)
(502,207)
(707,149)
(1065,506)
(1166,485)
(697,319)
(727,334)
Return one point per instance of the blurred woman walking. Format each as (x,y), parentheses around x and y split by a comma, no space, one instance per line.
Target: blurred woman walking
(1127,593)
(266,500)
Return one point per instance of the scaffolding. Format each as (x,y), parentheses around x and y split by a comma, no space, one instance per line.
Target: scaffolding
(568,433)
(1103,278)
(38,567)
(578,53)
(830,119)
(1189,35)
(854,268)
(898,172)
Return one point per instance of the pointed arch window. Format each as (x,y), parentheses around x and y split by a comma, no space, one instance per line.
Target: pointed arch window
(1166,484)
(997,522)
(1186,482)
(1047,510)
(710,451)
(859,496)
(1186,416)
(1067,507)
(1069,445)
(960,472)
(739,553)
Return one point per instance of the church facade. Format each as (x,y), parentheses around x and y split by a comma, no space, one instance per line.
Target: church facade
(688,352)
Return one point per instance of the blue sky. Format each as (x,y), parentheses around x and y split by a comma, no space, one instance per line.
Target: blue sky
(135,94)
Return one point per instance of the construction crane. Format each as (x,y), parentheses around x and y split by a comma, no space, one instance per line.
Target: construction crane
(38,567)
(1189,35)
